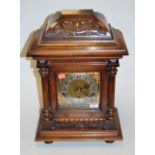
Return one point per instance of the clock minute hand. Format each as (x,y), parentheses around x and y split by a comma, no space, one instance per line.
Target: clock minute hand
(86,93)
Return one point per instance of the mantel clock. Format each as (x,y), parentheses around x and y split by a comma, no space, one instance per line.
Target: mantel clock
(77,53)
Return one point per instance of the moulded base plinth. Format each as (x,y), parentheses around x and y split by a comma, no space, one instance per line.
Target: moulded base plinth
(82,134)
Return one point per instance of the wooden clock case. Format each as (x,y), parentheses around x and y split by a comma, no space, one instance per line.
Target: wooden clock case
(77,41)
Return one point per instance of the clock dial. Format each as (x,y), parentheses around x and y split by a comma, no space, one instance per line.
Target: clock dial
(78,90)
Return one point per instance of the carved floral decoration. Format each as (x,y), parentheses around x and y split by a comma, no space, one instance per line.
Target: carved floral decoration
(75,27)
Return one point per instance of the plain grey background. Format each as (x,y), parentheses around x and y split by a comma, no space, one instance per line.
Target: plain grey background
(120,13)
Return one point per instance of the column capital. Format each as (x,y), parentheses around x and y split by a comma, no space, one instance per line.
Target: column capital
(113,62)
(44,72)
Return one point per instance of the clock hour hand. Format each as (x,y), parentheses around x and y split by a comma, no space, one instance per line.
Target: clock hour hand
(76,89)
(86,86)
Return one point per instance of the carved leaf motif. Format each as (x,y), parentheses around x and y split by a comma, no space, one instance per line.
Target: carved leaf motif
(75,27)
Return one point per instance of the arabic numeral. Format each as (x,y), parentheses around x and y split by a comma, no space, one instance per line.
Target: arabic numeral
(93,88)
(71,77)
(78,76)
(66,82)
(64,94)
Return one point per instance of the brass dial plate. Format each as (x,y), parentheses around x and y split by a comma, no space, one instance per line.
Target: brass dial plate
(78,90)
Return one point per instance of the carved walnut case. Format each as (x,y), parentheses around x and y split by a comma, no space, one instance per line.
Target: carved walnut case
(77,53)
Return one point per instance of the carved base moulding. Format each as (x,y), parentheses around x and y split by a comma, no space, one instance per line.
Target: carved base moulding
(75,129)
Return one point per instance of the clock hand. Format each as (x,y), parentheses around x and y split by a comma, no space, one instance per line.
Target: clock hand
(84,92)
(76,89)
(86,86)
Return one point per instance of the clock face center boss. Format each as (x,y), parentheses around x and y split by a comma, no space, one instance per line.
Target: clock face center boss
(77,54)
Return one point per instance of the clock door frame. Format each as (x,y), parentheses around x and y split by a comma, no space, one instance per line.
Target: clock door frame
(79,67)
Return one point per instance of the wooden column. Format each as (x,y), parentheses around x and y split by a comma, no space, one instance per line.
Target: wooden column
(112,70)
(44,73)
